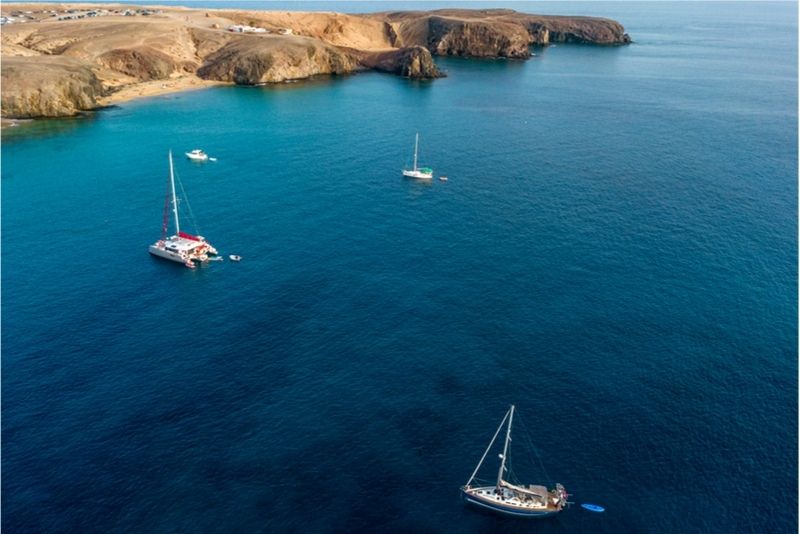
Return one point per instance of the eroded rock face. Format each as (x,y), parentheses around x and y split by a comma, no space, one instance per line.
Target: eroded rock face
(411,62)
(584,30)
(496,32)
(47,86)
(448,37)
(252,60)
(417,62)
(143,63)
(57,68)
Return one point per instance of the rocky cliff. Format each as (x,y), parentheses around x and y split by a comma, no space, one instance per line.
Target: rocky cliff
(496,32)
(582,30)
(143,63)
(411,62)
(44,86)
(251,60)
(56,67)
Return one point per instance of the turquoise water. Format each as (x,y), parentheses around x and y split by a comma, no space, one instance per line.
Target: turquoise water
(615,252)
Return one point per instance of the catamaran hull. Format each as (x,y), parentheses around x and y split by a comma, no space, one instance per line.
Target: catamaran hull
(511,511)
(167,255)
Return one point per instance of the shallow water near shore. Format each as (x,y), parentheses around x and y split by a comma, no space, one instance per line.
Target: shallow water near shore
(614,252)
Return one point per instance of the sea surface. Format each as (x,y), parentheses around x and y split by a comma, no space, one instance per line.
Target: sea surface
(615,253)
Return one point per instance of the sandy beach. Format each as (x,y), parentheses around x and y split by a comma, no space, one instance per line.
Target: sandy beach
(157,87)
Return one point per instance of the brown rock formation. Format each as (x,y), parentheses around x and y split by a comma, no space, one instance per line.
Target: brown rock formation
(477,39)
(496,32)
(584,30)
(56,67)
(412,62)
(44,86)
(143,63)
(250,60)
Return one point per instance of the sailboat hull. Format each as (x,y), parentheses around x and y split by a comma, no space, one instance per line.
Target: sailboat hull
(419,175)
(476,497)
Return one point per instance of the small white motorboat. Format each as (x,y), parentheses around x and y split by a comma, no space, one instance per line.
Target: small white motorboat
(215,258)
(443,178)
(197,155)
(234,257)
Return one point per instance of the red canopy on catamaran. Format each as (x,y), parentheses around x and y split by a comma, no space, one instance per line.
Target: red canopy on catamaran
(188,236)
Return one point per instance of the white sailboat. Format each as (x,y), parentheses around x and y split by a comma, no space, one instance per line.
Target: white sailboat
(423,173)
(182,247)
(510,499)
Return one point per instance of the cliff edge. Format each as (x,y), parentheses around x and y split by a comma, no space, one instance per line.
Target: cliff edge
(59,60)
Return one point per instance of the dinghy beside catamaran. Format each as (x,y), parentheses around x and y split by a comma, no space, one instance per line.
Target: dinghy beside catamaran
(181,247)
(513,499)
(423,173)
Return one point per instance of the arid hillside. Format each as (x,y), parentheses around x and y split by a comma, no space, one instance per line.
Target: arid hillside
(61,59)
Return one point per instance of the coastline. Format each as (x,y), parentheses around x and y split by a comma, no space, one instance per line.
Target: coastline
(129,93)
(150,88)
(60,60)
(609,253)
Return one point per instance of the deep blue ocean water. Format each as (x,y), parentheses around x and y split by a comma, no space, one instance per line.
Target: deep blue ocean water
(615,252)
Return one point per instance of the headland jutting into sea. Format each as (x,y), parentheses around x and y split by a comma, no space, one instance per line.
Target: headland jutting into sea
(60,60)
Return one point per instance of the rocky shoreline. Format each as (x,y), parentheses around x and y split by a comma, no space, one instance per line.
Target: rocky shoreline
(56,65)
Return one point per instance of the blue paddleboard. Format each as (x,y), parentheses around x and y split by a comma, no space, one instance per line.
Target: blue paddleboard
(593,508)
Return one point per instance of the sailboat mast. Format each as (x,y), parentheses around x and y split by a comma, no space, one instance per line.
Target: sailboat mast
(505,447)
(174,199)
(487,449)
(416,147)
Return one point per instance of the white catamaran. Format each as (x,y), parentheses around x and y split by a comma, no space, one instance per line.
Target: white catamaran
(424,173)
(181,247)
(511,499)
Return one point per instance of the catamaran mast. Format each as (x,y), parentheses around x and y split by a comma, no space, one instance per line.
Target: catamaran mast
(416,146)
(505,447)
(174,199)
